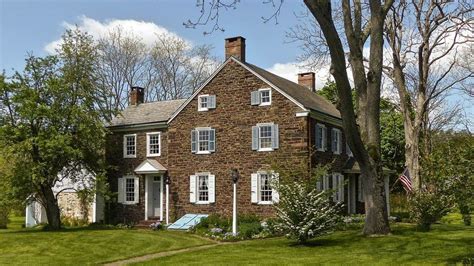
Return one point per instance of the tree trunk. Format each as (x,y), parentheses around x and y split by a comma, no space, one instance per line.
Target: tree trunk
(412,155)
(365,144)
(50,204)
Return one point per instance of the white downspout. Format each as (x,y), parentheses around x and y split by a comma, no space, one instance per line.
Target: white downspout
(167,202)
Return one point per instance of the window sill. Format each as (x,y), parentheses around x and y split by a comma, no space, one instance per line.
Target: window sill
(203,110)
(337,153)
(203,152)
(154,155)
(202,202)
(129,156)
(266,149)
(265,203)
(129,203)
(265,104)
(323,150)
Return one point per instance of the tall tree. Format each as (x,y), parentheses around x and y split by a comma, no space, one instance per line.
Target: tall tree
(426,39)
(53,120)
(361,22)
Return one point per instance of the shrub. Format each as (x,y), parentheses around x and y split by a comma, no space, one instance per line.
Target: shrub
(429,206)
(305,213)
(69,221)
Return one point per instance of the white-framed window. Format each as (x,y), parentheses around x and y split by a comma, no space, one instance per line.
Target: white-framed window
(265,97)
(261,97)
(263,187)
(130,146)
(202,188)
(128,188)
(320,136)
(265,137)
(336,141)
(153,144)
(203,140)
(206,102)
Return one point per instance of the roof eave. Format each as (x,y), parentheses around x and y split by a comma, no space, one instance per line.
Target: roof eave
(140,126)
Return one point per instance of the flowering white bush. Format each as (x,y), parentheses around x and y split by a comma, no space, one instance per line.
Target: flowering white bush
(304,212)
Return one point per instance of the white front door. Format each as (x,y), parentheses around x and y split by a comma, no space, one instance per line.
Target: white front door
(157,196)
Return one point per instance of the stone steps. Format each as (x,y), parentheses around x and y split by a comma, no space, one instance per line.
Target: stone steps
(145,224)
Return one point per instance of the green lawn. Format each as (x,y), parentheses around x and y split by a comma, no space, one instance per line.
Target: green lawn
(446,244)
(85,246)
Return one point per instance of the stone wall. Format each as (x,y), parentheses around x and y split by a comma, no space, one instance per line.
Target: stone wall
(232,119)
(70,206)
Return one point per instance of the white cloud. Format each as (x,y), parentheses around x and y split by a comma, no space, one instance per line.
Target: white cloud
(290,71)
(147,31)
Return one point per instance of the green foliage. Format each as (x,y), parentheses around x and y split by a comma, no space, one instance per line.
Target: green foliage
(450,161)
(53,120)
(428,206)
(73,221)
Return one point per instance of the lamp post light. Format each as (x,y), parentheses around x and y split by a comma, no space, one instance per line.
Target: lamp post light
(167,182)
(235,177)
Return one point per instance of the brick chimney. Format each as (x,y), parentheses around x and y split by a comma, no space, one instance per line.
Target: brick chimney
(235,47)
(137,95)
(308,80)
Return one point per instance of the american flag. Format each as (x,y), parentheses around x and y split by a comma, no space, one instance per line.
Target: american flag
(406,180)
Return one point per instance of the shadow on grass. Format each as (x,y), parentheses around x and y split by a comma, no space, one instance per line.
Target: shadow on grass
(63,230)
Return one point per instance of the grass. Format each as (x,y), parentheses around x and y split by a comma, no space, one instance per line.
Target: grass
(85,246)
(445,244)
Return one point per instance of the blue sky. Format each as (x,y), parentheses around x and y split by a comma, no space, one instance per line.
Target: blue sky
(29,25)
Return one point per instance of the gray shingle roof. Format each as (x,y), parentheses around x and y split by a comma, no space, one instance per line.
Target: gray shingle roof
(147,113)
(303,95)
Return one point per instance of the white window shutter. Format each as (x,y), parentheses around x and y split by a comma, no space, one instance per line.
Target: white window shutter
(334,186)
(136,191)
(333,140)
(275,137)
(360,195)
(326,182)
(319,188)
(339,142)
(275,195)
(255,138)
(318,140)
(254,188)
(192,188)
(212,188)
(325,139)
(255,98)
(212,140)
(193,141)
(341,187)
(121,190)
(211,99)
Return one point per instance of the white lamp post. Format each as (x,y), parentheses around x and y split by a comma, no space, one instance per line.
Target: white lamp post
(167,182)
(235,177)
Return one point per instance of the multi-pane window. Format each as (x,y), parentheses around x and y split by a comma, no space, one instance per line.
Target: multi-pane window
(265,97)
(203,188)
(206,102)
(153,144)
(129,189)
(265,188)
(265,137)
(129,146)
(320,137)
(203,140)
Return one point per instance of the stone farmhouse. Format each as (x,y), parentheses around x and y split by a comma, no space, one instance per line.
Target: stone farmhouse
(175,157)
